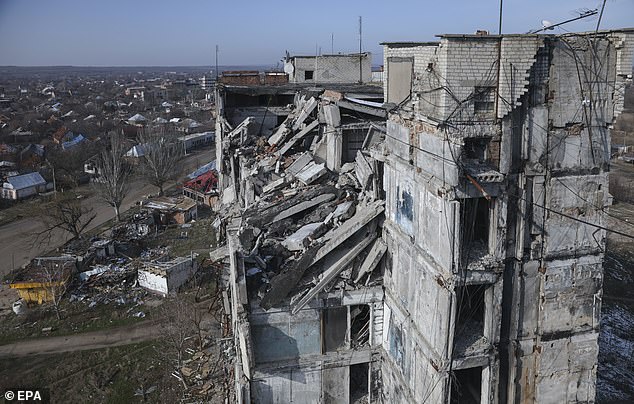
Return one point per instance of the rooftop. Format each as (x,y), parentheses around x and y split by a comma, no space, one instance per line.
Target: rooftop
(24,181)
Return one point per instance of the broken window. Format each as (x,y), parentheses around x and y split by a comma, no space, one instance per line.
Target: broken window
(359,325)
(405,209)
(484,100)
(359,383)
(335,326)
(475,227)
(352,143)
(308,74)
(469,316)
(396,345)
(466,386)
(475,149)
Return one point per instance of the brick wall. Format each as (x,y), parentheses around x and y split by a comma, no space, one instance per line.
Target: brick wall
(252,78)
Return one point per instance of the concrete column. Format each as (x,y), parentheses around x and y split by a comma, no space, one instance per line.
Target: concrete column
(334,145)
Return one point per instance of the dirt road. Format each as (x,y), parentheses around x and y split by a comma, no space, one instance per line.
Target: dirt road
(139,332)
(14,237)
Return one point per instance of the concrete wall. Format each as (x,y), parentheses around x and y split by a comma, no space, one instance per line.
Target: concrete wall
(288,386)
(279,336)
(175,276)
(263,116)
(153,282)
(547,160)
(330,68)
(306,357)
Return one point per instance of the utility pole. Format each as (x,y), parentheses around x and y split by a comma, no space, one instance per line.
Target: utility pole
(360,50)
(332,43)
(216,63)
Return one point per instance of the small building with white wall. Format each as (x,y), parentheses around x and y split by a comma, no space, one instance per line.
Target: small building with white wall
(166,277)
(351,68)
(196,140)
(23,186)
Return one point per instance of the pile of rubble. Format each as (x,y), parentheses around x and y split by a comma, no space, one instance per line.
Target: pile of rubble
(302,228)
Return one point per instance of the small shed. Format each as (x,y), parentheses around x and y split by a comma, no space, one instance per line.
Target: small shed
(22,186)
(203,189)
(166,277)
(166,210)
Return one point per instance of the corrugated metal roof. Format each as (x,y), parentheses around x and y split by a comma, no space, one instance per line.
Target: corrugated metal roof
(200,171)
(26,180)
(72,143)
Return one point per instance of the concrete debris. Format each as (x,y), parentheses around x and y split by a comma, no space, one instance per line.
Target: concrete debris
(311,173)
(332,272)
(306,108)
(300,163)
(372,259)
(302,206)
(295,242)
(302,215)
(288,145)
(19,307)
(295,211)
(363,170)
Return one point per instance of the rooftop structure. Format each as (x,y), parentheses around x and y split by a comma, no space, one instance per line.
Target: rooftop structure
(329,69)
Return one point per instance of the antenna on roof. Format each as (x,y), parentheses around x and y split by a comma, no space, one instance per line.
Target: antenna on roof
(547,25)
(216,62)
(332,43)
(500,23)
(360,50)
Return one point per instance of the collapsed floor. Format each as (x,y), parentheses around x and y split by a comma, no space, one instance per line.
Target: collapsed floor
(306,231)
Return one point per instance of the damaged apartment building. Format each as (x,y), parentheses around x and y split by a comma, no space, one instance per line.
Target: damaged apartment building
(496,178)
(307,315)
(445,245)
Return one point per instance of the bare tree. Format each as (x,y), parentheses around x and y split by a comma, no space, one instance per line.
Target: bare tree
(177,330)
(177,327)
(69,164)
(64,213)
(114,173)
(196,319)
(161,156)
(55,283)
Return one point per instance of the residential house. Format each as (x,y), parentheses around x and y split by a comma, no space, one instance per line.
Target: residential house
(23,186)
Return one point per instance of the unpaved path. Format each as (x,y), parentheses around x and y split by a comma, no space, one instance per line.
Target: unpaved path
(144,331)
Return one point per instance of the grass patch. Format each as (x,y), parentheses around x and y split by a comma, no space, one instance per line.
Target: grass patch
(77,317)
(199,238)
(110,375)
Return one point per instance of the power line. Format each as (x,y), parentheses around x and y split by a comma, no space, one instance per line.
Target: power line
(574,218)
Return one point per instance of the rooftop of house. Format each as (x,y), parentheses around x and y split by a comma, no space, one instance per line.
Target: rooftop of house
(23,181)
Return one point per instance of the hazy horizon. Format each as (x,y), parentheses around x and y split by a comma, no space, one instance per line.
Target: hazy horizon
(120,33)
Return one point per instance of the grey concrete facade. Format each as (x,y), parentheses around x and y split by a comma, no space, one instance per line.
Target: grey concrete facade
(464,217)
(329,69)
(496,167)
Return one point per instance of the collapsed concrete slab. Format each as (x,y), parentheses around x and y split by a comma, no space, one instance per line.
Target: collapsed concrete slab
(330,273)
